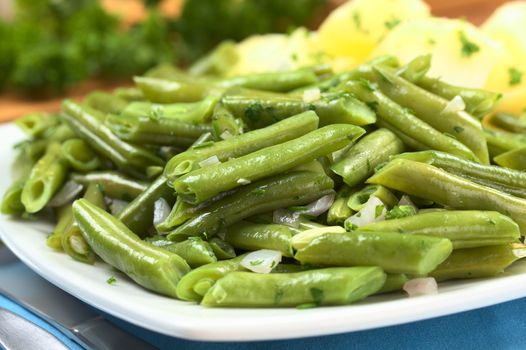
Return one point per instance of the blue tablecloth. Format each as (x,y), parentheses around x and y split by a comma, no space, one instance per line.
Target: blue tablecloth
(500,327)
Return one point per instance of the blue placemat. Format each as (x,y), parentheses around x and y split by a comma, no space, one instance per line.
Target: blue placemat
(497,327)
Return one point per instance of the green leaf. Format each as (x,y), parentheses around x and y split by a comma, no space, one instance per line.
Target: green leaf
(515,76)
(468,46)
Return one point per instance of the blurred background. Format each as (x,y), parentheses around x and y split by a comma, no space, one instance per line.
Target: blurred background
(55,48)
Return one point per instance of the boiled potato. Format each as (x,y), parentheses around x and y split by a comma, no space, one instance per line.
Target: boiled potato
(355,28)
(462,54)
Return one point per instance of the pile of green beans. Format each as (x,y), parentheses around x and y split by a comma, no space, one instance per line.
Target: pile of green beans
(300,188)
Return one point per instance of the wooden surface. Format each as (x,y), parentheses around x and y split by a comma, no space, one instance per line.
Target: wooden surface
(12,105)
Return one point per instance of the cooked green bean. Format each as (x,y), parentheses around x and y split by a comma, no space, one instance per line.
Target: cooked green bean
(400,119)
(514,159)
(129,94)
(223,250)
(194,285)
(332,108)
(181,212)
(359,162)
(240,145)
(217,61)
(395,253)
(151,267)
(416,69)
(331,286)
(64,217)
(339,210)
(87,125)
(12,199)
(249,236)
(433,111)
(393,282)
(464,228)
(36,124)
(106,103)
(199,185)
(194,250)
(79,155)
(166,91)
(358,199)
(426,181)
(509,122)
(502,141)
(45,179)
(113,184)
(506,180)
(281,191)
(224,124)
(479,262)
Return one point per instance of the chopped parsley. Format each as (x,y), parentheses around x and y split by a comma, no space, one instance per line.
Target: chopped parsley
(366,83)
(431,41)
(258,191)
(111,280)
(458,129)
(400,211)
(392,23)
(298,208)
(357,19)
(468,47)
(256,262)
(278,296)
(317,295)
(491,221)
(450,135)
(254,111)
(378,210)
(156,113)
(294,57)
(515,76)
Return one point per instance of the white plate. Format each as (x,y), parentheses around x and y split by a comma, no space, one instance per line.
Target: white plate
(134,304)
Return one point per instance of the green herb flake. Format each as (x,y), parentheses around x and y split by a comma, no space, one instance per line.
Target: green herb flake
(254,111)
(400,211)
(156,113)
(366,84)
(294,57)
(112,280)
(492,222)
(431,42)
(203,145)
(278,296)
(258,191)
(458,129)
(392,23)
(357,19)
(515,76)
(256,262)
(468,47)
(306,306)
(450,135)
(298,208)
(317,295)
(378,210)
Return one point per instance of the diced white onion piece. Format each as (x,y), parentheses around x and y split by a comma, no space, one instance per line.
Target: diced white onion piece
(374,210)
(225,135)
(161,210)
(311,95)
(243,181)
(455,105)
(117,206)
(261,261)
(286,217)
(320,206)
(421,286)
(213,160)
(303,239)
(69,191)
(406,200)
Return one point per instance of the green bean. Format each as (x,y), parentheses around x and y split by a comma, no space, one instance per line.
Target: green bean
(479,262)
(478,102)
(151,267)
(373,149)
(194,250)
(138,215)
(64,216)
(393,283)
(224,124)
(194,285)
(12,201)
(166,91)
(36,124)
(502,141)
(192,112)
(72,241)
(432,110)
(332,108)
(104,102)
(79,155)
(234,147)
(465,228)
(161,131)
(452,191)
(180,213)
(339,210)
(399,118)
(395,253)
(304,238)
(34,149)
(332,286)
(223,250)
(249,236)
(60,133)
(45,179)
(514,159)
(506,180)
(358,199)
(416,69)
(87,125)
(199,185)
(168,72)
(217,62)
(129,94)
(113,184)
(281,191)
(509,122)
(154,171)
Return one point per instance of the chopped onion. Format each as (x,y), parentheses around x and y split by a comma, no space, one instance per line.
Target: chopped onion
(421,286)
(161,210)
(373,210)
(286,217)
(225,135)
(320,206)
(243,181)
(66,194)
(117,206)
(455,105)
(213,160)
(303,239)
(311,95)
(261,261)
